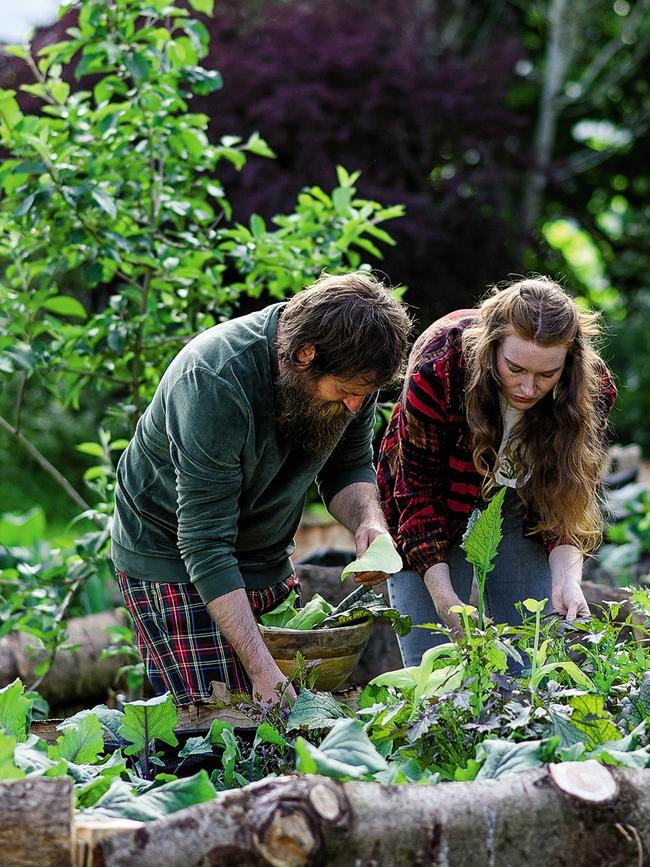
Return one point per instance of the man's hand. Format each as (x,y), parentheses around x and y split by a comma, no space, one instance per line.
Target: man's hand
(357,508)
(568,599)
(364,535)
(233,615)
(272,685)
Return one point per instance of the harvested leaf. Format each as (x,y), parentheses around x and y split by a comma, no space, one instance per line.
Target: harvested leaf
(283,612)
(360,605)
(315,611)
(379,556)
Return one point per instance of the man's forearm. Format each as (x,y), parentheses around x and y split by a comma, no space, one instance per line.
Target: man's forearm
(234,617)
(358,504)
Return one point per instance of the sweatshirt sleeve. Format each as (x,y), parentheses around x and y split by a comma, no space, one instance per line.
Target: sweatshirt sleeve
(351,461)
(207,423)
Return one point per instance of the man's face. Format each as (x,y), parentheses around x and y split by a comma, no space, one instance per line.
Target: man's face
(313,413)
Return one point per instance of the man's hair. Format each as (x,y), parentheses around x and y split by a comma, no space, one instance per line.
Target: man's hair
(358,329)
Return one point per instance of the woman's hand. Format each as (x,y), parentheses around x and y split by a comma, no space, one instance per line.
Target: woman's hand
(444,597)
(567,598)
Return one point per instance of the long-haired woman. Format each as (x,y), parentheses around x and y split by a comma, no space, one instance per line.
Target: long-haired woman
(512,393)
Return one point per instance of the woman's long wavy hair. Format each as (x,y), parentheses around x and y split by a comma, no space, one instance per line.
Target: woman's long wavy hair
(560,439)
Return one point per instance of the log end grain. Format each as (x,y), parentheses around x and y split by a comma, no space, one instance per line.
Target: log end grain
(587,781)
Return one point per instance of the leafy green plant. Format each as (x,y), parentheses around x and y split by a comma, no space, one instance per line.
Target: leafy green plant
(318,613)
(123,644)
(481,542)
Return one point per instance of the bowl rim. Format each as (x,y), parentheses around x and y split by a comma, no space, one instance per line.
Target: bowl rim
(334,629)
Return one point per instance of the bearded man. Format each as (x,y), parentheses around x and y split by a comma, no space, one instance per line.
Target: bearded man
(212,486)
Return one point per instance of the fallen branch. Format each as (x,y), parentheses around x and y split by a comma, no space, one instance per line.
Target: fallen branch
(293,821)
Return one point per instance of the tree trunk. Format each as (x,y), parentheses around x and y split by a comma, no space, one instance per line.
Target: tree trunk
(293,821)
(36,823)
(76,675)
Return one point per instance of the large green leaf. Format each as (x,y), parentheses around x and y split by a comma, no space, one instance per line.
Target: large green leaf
(15,710)
(346,752)
(505,757)
(361,604)
(146,720)
(110,718)
(483,534)
(315,611)
(379,556)
(589,716)
(81,743)
(314,710)
(8,768)
(120,802)
(282,612)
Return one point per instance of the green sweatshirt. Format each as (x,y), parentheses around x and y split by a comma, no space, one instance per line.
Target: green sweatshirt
(206,490)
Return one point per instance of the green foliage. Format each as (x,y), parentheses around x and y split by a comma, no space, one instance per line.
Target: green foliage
(147,720)
(81,743)
(481,542)
(361,604)
(318,613)
(345,754)
(313,613)
(314,710)
(15,710)
(118,801)
(501,758)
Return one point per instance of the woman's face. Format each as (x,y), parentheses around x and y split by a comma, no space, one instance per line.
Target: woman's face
(528,371)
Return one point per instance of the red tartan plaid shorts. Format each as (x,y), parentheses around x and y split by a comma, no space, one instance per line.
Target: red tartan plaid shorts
(180,643)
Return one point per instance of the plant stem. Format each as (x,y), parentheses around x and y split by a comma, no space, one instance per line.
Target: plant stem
(533,667)
(43,462)
(480,581)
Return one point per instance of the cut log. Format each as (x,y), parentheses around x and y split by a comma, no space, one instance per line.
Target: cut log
(76,675)
(296,821)
(589,781)
(36,823)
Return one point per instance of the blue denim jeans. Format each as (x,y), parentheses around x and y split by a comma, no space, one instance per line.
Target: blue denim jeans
(520,571)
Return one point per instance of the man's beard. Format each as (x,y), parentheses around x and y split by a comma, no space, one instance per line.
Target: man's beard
(305,420)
